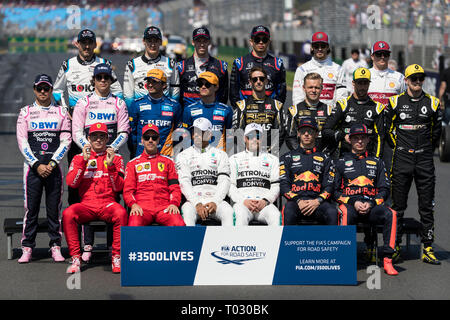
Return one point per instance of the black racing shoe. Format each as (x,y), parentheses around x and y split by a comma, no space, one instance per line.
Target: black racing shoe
(429,257)
(396,257)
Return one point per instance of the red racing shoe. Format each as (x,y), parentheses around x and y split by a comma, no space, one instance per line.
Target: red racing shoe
(116,264)
(389,268)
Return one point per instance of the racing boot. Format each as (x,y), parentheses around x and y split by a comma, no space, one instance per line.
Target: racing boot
(396,257)
(116,264)
(87,253)
(429,257)
(26,255)
(56,254)
(75,266)
(388,267)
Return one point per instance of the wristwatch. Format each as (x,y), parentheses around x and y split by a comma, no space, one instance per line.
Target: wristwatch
(52,163)
(320,199)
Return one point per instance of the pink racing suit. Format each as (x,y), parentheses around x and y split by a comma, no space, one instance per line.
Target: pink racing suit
(44,137)
(110,110)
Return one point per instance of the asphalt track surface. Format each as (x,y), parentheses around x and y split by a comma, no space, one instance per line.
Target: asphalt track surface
(44,279)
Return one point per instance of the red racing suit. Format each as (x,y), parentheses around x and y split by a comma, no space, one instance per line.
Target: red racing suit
(151,181)
(98,185)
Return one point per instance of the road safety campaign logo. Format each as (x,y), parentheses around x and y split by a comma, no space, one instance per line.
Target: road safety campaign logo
(237,254)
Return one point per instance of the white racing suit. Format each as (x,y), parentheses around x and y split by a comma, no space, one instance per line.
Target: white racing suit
(334,86)
(385,84)
(134,85)
(204,176)
(256,178)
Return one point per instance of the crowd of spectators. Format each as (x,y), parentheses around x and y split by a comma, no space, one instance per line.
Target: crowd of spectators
(405,14)
(22,17)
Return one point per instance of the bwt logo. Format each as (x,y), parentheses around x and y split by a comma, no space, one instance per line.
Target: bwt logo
(44,125)
(102,116)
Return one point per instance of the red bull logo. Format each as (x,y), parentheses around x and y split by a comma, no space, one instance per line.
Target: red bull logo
(306,176)
(361,181)
(363,186)
(310,182)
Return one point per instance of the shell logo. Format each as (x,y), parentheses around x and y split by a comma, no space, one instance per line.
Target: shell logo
(330,75)
(391,84)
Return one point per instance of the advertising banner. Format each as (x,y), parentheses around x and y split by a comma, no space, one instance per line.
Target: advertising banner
(215,255)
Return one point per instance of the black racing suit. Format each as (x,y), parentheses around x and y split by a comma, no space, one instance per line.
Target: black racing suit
(268,113)
(307,174)
(296,113)
(414,127)
(350,111)
(364,178)
(187,69)
(240,87)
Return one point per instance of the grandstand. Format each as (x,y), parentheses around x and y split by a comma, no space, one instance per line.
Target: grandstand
(416,29)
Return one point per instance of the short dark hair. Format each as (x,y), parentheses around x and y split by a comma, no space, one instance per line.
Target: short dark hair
(354,50)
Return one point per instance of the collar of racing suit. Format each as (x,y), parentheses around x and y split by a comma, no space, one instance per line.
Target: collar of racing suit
(259,59)
(95,154)
(321,63)
(202,150)
(362,101)
(360,156)
(380,73)
(36,104)
(149,156)
(416,99)
(153,100)
(252,154)
(86,62)
(151,61)
(307,151)
(102,98)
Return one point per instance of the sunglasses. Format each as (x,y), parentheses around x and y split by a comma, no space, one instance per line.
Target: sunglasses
(45,88)
(256,79)
(414,78)
(100,136)
(261,39)
(381,54)
(362,82)
(153,82)
(101,77)
(309,131)
(319,45)
(147,137)
(205,83)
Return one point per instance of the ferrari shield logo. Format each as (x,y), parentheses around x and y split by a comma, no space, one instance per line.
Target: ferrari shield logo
(161,166)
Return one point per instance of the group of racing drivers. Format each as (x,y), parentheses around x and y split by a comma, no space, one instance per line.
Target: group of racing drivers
(335,131)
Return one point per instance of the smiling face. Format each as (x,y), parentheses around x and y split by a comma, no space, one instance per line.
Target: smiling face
(150,140)
(43,93)
(98,141)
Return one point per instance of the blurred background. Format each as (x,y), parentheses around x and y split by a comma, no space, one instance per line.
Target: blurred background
(417,30)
